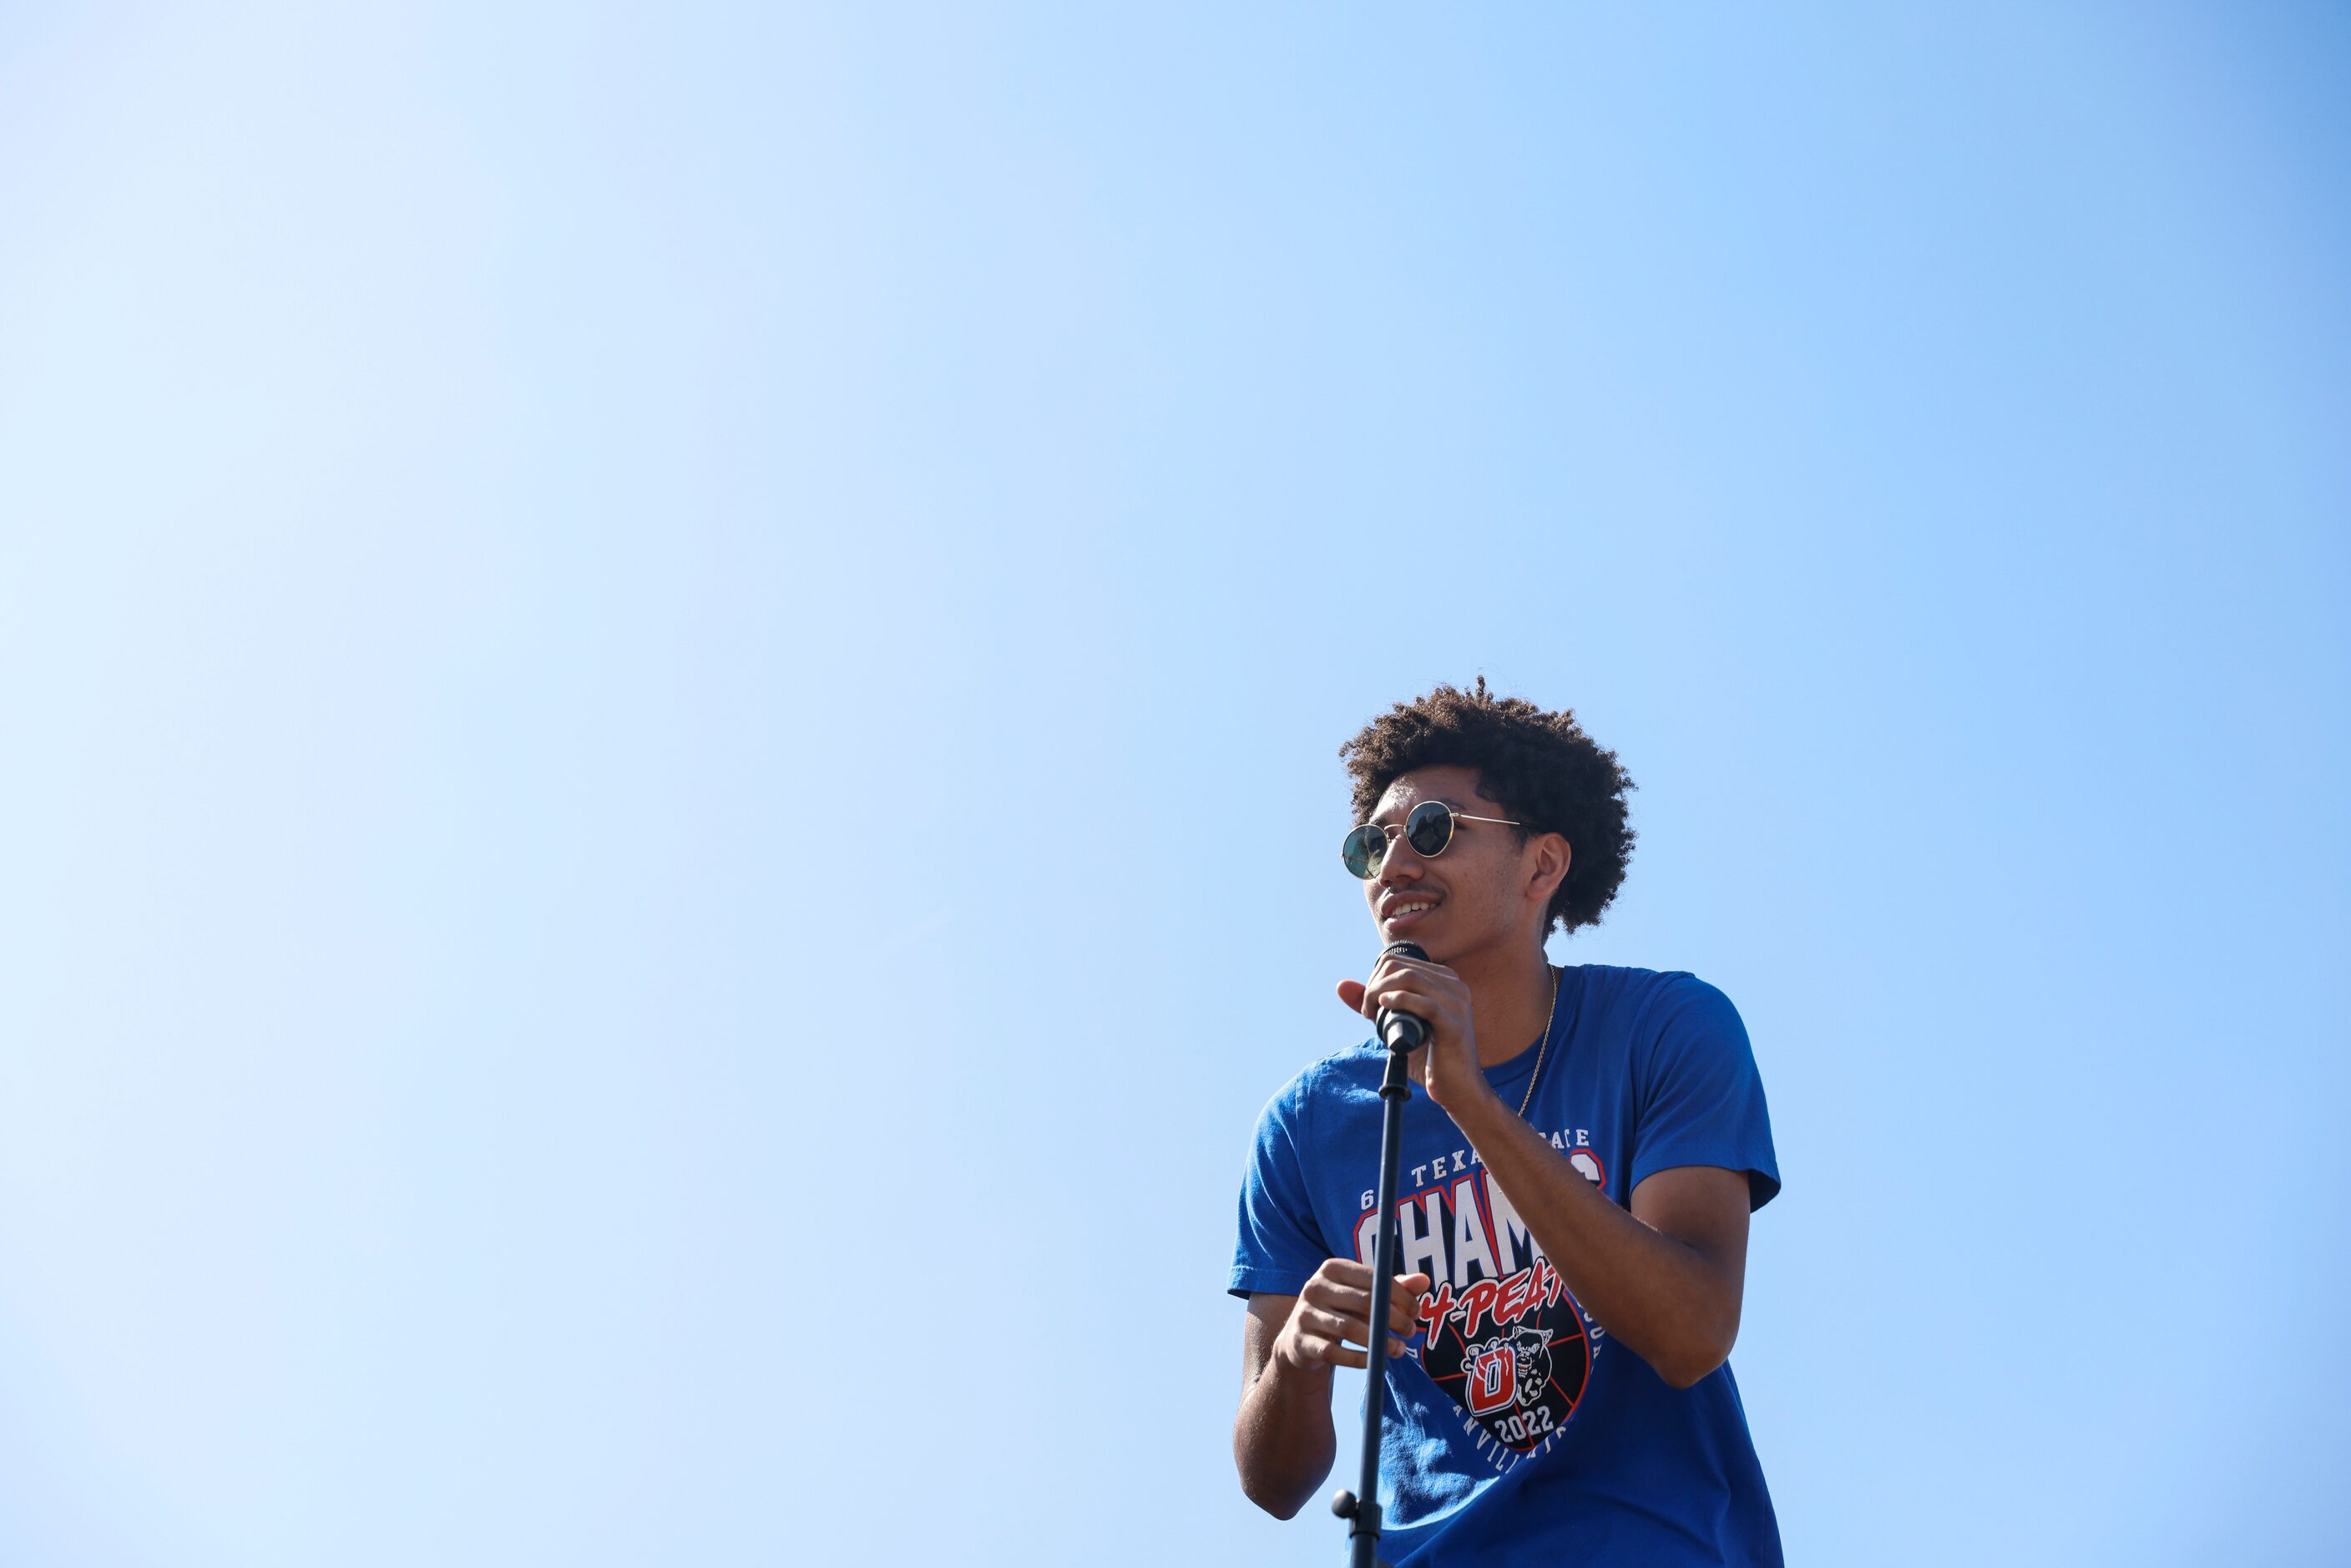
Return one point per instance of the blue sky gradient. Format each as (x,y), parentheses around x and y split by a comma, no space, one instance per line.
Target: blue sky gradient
(673,683)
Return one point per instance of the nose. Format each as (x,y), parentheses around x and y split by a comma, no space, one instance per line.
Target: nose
(1401,863)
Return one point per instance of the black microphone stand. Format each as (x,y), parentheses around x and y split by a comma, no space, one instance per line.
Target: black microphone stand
(1401,1033)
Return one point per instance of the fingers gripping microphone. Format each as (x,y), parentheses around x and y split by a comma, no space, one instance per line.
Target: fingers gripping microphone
(1401,1031)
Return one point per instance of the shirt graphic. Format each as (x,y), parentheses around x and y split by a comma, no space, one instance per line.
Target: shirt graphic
(1499,1332)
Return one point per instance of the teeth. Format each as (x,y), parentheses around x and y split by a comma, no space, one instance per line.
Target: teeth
(1408,909)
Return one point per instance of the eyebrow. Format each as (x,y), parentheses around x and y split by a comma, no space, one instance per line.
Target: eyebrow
(1425,800)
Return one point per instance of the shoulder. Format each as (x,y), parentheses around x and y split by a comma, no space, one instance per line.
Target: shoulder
(1341,1079)
(1652,996)
(1647,1008)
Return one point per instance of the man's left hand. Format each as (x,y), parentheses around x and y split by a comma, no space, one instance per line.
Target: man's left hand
(1446,1065)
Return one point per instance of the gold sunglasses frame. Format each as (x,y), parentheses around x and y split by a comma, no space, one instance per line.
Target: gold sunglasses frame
(1389,835)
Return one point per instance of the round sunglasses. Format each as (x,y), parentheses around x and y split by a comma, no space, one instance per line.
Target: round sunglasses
(1427,827)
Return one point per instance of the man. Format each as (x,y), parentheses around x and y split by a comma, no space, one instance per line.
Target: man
(1580,1158)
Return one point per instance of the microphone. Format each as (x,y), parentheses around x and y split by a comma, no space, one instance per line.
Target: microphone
(1401,1031)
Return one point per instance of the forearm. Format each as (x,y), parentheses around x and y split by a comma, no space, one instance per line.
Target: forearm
(1666,1300)
(1282,1439)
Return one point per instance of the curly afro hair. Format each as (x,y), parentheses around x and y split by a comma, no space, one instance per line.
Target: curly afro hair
(1539,767)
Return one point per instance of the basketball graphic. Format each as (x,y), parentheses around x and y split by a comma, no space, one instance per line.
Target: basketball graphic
(1513,1354)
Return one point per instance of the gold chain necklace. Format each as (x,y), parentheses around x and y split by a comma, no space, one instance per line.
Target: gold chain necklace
(1529,1098)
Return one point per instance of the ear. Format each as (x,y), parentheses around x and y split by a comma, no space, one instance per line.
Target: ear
(1553,855)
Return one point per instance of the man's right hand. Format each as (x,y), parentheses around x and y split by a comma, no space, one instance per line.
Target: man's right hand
(1332,1317)
(1283,1440)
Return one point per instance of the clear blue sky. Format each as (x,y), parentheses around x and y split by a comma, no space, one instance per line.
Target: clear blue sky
(671,682)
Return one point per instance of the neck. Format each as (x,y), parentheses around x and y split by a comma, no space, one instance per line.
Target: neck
(1510,1000)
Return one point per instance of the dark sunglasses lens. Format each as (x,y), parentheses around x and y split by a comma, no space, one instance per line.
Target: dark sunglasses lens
(1364,851)
(1429,828)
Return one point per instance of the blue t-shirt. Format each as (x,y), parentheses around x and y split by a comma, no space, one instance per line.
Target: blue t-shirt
(1517,1430)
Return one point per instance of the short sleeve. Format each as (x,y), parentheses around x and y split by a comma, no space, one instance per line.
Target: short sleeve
(1280,1244)
(1700,1098)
